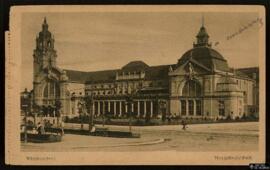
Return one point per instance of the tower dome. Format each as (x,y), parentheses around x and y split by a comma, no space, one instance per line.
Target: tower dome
(204,54)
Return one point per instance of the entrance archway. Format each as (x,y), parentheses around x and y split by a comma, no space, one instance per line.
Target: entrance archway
(191,101)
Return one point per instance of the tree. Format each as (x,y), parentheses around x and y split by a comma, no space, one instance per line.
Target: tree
(81,110)
(44,110)
(50,110)
(147,118)
(89,107)
(36,111)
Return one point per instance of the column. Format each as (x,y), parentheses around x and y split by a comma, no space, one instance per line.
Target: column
(151,108)
(103,108)
(120,108)
(49,93)
(187,112)
(126,107)
(114,108)
(54,91)
(132,107)
(144,104)
(109,106)
(98,108)
(138,114)
(194,101)
(180,108)
(93,108)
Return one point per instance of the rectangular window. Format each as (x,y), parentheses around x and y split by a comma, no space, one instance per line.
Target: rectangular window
(190,107)
(183,107)
(198,107)
(221,108)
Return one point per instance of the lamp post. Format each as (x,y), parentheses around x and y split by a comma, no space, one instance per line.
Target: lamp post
(89,103)
(129,102)
(81,109)
(103,118)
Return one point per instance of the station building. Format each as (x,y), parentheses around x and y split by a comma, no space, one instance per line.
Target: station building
(200,84)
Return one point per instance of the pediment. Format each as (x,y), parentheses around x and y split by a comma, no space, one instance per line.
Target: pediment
(190,67)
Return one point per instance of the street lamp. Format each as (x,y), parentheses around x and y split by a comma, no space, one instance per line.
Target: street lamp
(129,102)
(89,103)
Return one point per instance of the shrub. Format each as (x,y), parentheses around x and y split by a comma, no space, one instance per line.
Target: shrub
(66,119)
(30,123)
(244,117)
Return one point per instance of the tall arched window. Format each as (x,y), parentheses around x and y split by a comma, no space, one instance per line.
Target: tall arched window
(191,104)
(51,92)
(191,89)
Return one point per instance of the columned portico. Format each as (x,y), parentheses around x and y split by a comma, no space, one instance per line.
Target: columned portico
(118,107)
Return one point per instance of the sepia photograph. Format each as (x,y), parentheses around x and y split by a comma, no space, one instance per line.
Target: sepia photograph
(136,85)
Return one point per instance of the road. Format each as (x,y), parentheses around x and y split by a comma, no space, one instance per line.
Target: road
(197,137)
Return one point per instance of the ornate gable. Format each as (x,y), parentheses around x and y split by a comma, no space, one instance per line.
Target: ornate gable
(190,67)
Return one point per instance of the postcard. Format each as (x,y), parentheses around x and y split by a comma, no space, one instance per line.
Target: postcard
(135,85)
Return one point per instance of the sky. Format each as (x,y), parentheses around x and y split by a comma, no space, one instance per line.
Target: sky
(93,41)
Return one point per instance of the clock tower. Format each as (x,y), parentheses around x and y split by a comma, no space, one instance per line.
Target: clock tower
(44,53)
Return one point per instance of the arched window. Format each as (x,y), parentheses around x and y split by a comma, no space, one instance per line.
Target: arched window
(45,94)
(51,91)
(191,89)
(190,102)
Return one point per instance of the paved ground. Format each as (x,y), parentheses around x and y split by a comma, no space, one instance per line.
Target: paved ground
(198,137)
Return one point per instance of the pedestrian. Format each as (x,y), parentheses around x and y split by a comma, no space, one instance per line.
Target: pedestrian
(93,129)
(42,129)
(62,127)
(184,124)
(39,128)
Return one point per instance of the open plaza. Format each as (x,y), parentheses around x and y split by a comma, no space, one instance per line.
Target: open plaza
(197,137)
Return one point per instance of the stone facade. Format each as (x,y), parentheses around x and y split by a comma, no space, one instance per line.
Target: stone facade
(200,84)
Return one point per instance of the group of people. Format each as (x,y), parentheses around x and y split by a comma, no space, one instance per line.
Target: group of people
(40,128)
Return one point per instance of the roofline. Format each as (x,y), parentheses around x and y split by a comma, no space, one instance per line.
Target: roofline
(115,69)
(253,67)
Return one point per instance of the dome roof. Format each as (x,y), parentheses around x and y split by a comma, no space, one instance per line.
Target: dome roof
(206,56)
(135,66)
